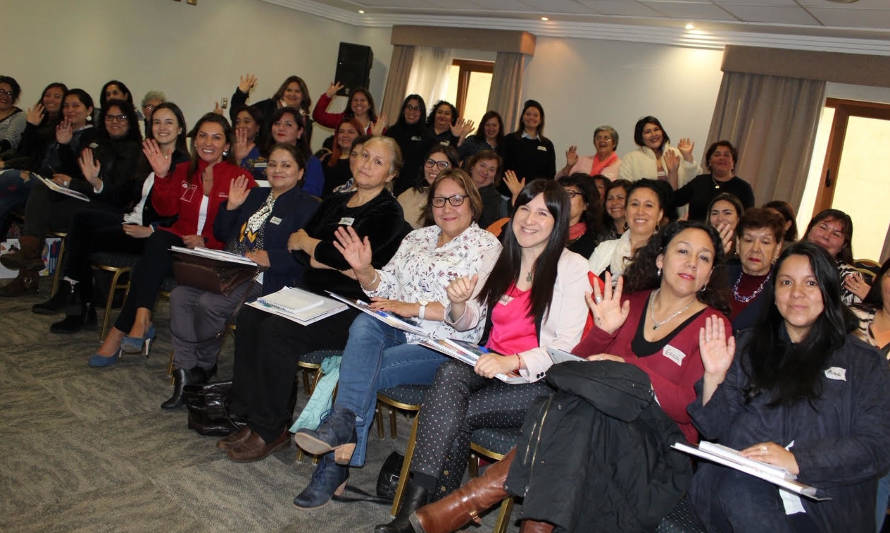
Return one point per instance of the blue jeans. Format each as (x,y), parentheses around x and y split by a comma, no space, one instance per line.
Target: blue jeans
(377,357)
(881,505)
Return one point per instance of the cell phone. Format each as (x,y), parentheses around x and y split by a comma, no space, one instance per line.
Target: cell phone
(224,103)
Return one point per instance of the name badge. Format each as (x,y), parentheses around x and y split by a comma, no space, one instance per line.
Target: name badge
(674,354)
(505,299)
(416,138)
(542,148)
(445,143)
(188,193)
(275,220)
(346,221)
(837,373)
(260,164)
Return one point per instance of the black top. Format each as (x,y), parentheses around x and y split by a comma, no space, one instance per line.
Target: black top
(701,189)
(268,108)
(415,141)
(334,176)
(529,158)
(474,144)
(585,244)
(494,206)
(34,144)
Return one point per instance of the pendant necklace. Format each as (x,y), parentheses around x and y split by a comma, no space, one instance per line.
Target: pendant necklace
(715,182)
(745,299)
(658,323)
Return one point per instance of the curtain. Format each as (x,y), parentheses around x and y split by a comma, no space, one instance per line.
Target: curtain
(429,74)
(772,122)
(397,82)
(506,87)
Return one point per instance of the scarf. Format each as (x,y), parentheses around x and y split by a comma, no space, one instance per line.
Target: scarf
(577,230)
(598,165)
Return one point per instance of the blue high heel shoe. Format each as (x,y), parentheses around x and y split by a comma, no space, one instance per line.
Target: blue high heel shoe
(99,361)
(139,344)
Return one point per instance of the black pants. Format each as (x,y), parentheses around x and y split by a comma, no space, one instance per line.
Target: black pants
(459,402)
(267,348)
(155,264)
(48,210)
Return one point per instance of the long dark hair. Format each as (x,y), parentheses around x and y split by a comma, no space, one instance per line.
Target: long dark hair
(789,371)
(420,185)
(539,131)
(302,142)
(593,215)
(480,131)
(420,103)
(608,221)
(787,212)
(642,274)
(127,109)
(227,131)
(506,270)
(306,100)
(181,145)
(875,297)
(846,253)
(372,111)
(103,101)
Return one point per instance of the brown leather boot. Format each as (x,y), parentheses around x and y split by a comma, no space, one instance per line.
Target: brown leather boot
(464,504)
(25,283)
(28,255)
(533,526)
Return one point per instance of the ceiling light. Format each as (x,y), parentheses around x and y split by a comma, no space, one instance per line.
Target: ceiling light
(690,26)
(545,19)
(361,11)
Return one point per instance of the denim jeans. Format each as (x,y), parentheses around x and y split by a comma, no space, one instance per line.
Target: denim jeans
(377,357)
(881,505)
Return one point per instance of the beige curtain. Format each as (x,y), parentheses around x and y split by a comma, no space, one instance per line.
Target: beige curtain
(397,82)
(772,121)
(506,87)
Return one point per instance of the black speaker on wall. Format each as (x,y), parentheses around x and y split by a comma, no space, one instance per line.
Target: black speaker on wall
(353,66)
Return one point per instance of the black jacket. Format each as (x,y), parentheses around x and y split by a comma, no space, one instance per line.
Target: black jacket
(595,455)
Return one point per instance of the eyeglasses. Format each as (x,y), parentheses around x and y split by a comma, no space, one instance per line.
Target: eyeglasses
(441,164)
(573,194)
(456,200)
(115,118)
(148,107)
(4,92)
(410,107)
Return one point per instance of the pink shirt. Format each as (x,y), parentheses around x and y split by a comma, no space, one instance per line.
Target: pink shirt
(512,330)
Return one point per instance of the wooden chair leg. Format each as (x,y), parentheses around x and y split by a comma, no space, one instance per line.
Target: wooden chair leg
(406,465)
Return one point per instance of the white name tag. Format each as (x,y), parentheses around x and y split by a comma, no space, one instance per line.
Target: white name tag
(260,164)
(346,221)
(837,373)
(275,220)
(542,148)
(674,354)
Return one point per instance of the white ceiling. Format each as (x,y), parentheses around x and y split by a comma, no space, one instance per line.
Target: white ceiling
(862,26)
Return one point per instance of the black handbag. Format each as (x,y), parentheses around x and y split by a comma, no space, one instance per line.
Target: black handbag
(388,478)
(208,411)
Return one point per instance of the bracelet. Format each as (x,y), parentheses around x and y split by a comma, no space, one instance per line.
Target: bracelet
(373,281)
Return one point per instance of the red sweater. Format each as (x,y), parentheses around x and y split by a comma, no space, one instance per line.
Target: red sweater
(330,120)
(674,374)
(174,195)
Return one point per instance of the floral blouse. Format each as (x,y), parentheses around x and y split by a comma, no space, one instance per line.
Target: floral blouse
(420,271)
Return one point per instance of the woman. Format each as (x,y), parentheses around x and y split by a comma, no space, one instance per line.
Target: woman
(255,223)
(526,151)
(247,141)
(150,101)
(759,237)
(414,139)
(93,230)
(414,200)
(604,162)
(484,167)
(832,229)
(656,158)
(192,191)
(724,213)
(585,213)
(784,208)
(292,92)
(267,346)
(535,300)
(643,211)
(489,136)
(288,128)
(443,125)
(800,393)
(336,163)
(722,157)
(12,119)
(413,285)
(360,107)
(114,90)
(615,197)
(355,155)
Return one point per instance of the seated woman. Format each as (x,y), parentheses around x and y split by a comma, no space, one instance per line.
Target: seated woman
(526,151)
(604,162)
(360,107)
(724,213)
(255,223)
(414,139)
(721,160)
(759,238)
(267,346)
(783,208)
(585,213)
(798,392)
(674,291)
(414,200)
(292,92)
(484,167)
(288,128)
(534,298)
(614,199)
(193,191)
(489,136)
(12,119)
(377,356)
(652,161)
(336,164)
(832,229)
(355,156)
(93,230)
(643,211)
(248,141)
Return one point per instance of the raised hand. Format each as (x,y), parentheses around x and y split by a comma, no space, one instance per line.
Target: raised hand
(355,250)
(242,144)
(571,156)
(461,289)
(461,127)
(686,146)
(160,163)
(238,192)
(333,89)
(246,83)
(64,132)
(35,114)
(726,236)
(218,109)
(609,313)
(378,126)
(716,350)
(90,167)
(857,285)
(514,184)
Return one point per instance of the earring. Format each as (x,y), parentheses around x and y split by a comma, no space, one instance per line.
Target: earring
(225,153)
(659,272)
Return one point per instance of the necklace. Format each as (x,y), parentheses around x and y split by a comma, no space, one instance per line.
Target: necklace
(745,299)
(658,323)
(715,182)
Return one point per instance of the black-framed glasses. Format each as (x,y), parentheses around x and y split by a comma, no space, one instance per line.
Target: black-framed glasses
(441,164)
(456,200)
(411,107)
(116,118)
(573,194)
(4,92)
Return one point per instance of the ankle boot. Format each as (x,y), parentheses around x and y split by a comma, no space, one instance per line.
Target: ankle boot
(533,526)
(25,283)
(28,255)
(464,504)
(328,479)
(181,378)
(336,432)
(79,314)
(415,496)
(58,302)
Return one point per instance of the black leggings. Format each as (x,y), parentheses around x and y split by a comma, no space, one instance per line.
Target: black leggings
(155,264)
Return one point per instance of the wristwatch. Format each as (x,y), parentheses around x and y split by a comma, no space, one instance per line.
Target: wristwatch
(421,311)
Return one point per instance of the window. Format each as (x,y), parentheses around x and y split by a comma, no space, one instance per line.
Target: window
(468,86)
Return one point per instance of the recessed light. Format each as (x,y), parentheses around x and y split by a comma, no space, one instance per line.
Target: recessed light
(361,11)
(545,19)
(690,26)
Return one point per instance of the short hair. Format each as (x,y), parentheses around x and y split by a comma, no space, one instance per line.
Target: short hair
(759,218)
(181,145)
(305,102)
(725,144)
(638,130)
(537,105)
(612,133)
(485,155)
(727,197)
(154,95)
(787,212)
(81,95)
(298,156)
(462,178)
(846,253)
(655,186)
(303,141)
(16,89)
(120,85)
(127,109)
(432,116)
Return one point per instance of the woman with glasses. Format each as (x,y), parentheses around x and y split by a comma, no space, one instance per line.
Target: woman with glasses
(377,356)
(414,139)
(414,200)
(585,213)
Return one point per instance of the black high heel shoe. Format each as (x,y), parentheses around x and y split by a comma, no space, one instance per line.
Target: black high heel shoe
(181,378)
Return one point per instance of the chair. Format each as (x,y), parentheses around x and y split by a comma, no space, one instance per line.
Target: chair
(312,362)
(681,519)
(57,275)
(117,264)
(494,444)
(404,397)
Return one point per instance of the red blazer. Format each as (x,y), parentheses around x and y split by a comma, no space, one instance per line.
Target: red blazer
(175,195)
